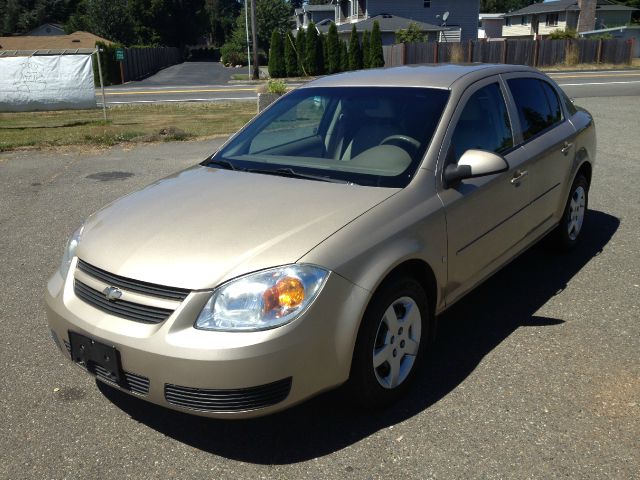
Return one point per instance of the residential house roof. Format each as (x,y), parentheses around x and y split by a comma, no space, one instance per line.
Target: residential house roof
(51,42)
(388,23)
(564,5)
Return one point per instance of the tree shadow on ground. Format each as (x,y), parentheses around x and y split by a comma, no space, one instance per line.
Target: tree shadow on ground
(467,332)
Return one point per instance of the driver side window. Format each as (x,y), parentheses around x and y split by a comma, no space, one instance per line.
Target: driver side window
(483,124)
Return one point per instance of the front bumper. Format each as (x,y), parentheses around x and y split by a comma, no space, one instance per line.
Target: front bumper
(220,374)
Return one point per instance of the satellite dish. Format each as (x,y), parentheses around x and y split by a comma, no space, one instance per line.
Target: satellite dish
(445,15)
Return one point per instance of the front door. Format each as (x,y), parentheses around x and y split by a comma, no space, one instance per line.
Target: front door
(486,216)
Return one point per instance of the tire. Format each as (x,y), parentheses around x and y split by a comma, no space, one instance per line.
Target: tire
(390,344)
(571,225)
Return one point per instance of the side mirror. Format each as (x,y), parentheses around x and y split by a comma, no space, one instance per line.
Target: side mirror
(474,163)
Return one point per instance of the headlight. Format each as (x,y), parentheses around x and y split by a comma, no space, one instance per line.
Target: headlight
(70,252)
(262,300)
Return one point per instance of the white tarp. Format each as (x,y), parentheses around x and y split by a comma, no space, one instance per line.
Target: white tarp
(46,82)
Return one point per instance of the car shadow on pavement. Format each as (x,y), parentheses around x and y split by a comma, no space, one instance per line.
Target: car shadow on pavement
(467,332)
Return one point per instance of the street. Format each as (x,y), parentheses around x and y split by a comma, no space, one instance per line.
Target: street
(208,82)
(536,374)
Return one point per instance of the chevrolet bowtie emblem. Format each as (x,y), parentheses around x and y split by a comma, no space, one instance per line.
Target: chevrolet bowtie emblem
(112,293)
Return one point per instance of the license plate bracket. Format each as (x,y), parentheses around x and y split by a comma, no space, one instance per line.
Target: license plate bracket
(90,353)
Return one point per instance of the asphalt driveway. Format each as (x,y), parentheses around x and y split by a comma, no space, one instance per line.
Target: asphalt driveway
(535,375)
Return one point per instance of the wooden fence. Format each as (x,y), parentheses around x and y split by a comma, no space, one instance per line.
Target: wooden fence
(535,53)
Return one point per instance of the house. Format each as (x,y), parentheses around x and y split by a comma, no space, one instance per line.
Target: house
(389,25)
(459,16)
(543,18)
(490,25)
(626,32)
(313,13)
(54,42)
(47,29)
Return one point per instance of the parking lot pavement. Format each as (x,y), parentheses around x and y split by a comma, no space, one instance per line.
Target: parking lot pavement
(535,375)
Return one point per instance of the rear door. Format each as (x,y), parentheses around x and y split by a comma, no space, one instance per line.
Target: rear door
(548,140)
(486,216)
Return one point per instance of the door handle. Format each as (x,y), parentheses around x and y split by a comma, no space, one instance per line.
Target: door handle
(566,148)
(518,176)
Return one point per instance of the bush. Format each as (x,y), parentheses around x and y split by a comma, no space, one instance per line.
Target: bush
(366,48)
(344,57)
(276,86)
(204,54)
(233,53)
(301,47)
(313,56)
(110,66)
(411,34)
(562,34)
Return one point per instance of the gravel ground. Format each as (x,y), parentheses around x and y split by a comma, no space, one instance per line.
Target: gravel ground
(535,375)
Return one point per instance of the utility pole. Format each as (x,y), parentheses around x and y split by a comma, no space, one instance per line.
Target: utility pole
(254,39)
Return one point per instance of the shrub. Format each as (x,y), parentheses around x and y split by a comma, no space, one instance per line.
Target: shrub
(301,47)
(344,57)
(561,34)
(333,50)
(410,35)
(276,86)
(313,57)
(366,48)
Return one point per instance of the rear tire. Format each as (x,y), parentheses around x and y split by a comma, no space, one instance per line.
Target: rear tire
(390,344)
(571,225)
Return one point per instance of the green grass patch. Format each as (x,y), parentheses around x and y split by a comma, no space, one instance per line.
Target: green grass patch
(125,124)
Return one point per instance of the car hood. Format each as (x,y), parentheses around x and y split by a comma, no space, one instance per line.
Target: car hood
(202,226)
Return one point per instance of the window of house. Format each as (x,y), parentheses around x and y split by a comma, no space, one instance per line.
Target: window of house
(537,104)
(507,21)
(426,4)
(552,19)
(483,124)
(524,20)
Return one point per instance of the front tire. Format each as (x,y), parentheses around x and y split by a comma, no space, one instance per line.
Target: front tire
(391,343)
(572,222)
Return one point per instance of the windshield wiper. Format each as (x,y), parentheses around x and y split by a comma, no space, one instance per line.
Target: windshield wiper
(220,163)
(291,173)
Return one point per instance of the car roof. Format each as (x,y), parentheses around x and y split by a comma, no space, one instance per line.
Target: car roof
(428,75)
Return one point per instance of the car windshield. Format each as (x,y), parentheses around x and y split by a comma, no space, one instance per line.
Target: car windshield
(365,135)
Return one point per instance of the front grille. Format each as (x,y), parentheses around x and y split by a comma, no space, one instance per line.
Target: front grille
(133,285)
(132,382)
(232,400)
(120,308)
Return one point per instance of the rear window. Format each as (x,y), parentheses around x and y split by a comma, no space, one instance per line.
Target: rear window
(537,104)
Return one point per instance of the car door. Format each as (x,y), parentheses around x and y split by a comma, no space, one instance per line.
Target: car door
(548,140)
(486,216)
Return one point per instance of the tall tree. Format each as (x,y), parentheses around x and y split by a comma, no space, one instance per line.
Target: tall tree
(110,19)
(301,47)
(290,56)
(277,68)
(376,55)
(366,49)
(333,50)
(271,15)
(344,57)
(221,18)
(355,53)
(314,58)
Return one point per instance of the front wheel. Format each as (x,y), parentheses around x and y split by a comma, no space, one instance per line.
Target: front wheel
(390,343)
(572,222)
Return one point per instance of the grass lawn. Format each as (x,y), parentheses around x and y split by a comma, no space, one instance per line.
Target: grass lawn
(127,123)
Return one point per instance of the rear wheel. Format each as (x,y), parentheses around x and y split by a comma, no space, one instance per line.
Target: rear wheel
(390,343)
(572,222)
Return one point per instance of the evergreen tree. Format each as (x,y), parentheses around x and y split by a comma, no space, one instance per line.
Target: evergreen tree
(376,56)
(277,67)
(290,56)
(355,53)
(333,50)
(366,50)
(313,58)
(344,57)
(301,48)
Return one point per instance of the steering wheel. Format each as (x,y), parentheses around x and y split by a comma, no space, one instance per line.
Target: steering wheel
(403,138)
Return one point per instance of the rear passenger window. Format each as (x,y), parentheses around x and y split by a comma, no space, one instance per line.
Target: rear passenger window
(483,124)
(537,104)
